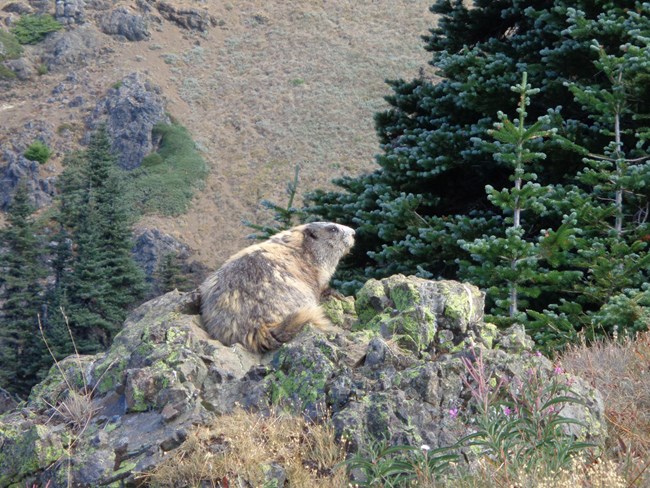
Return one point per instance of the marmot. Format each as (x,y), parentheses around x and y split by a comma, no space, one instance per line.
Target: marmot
(263,295)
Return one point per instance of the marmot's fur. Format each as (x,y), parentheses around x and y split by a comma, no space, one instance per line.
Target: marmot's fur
(264,295)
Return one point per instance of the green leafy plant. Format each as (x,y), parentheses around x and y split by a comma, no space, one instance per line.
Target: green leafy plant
(38,151)
(32,29)
(518,424)
(381,464)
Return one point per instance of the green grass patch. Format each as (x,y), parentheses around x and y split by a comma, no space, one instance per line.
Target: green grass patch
(6,73)
(168,178)
(10,48)
(31,29)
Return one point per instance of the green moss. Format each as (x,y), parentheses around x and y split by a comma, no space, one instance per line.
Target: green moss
(340,309)
(304,389)
(488,333)
(458,305)
(139,403)
(110,373)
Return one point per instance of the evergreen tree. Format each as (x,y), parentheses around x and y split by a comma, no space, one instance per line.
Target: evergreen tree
(97,280)
(420,209)
(427,196)
(614,196)
(510,267)
(22,352)
(170,275)
(285,217)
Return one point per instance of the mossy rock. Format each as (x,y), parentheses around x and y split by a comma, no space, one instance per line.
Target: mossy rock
(28,447)
(423,314)
(340,310)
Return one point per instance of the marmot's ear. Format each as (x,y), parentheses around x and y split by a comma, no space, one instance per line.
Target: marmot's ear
(309,232)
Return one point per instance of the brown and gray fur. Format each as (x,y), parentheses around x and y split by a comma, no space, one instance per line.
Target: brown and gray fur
(264,295)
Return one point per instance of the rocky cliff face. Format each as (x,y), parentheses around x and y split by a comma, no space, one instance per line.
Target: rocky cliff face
(393,369)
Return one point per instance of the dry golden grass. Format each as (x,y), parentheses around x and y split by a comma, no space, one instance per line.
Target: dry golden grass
(621,371)
(603,474)
(239,448)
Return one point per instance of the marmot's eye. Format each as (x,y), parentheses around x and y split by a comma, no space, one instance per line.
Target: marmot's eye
(333,229)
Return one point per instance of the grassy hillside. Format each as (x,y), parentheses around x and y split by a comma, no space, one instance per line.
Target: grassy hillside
(271,86)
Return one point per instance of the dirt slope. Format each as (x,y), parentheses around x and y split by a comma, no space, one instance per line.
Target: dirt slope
(275,84)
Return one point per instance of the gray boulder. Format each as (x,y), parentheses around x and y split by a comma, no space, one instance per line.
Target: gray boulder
(17,168)
(150,246)
(130,110)
(122,23)
(17,8)
(70,12)
(40,6)
(22,67)
(163,376)
(192,19)
(66,48)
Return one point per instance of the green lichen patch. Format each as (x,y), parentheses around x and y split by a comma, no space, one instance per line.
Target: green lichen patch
(54,386)
(27,449)
(404,295)
(340,311)
(370,301)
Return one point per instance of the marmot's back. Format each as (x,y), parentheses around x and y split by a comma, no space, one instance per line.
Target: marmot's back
(264,295)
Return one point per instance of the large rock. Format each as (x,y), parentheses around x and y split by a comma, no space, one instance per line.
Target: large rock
(192,19)
(66,48)
(123,23)
(70,12)
(163,376)
(150,246)
(130,110)
(17,168)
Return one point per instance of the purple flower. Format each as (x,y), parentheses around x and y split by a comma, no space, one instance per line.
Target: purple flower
(506,410)
(558,370)
(538,354)
(453,413)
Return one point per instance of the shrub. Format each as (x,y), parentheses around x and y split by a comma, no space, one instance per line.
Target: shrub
(6,73)
(38,151)
(10,48)
(166,181)
(31,29)
(152,159)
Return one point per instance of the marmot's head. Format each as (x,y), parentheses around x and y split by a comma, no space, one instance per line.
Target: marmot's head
(325,242)
(339,239)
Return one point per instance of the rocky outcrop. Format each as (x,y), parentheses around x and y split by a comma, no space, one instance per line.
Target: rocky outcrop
(66,48)
(192,19)
(17,168)
(150,246)
(122,23)
(17,8)
(130,110)
(397,374)
(70,12)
